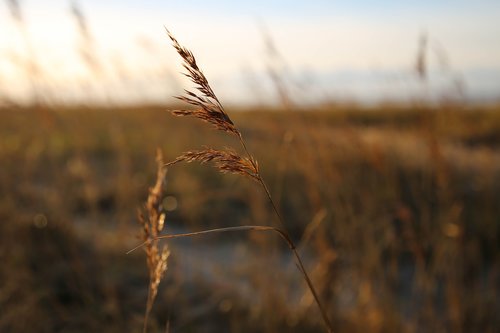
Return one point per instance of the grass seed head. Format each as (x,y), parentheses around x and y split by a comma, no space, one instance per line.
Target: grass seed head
(206,104)
(226,161)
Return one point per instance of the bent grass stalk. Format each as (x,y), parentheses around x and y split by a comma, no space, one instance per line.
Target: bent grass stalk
(218,230)
(284,235)
(208,108)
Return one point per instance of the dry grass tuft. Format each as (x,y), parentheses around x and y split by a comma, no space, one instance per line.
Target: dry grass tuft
(226,161)
(152,218)
(207,107)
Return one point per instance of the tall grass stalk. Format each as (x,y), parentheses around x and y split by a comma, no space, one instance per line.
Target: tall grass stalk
(208,108)
(151,218)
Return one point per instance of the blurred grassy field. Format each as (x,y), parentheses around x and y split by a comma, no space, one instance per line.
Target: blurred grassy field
(396,210)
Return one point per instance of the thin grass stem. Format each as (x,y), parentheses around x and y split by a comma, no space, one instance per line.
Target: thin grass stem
(219,230)
(298,259)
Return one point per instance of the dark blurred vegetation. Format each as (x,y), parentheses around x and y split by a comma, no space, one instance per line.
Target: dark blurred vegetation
(396,210)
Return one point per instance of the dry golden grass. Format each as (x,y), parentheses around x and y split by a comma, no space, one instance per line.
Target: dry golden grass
(152,221)
(395,209)
(389,254)
(209,109)
(226,161)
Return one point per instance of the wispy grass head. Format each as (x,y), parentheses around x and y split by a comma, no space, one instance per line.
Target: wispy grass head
(151,218)
(207,106)
(209,109)
(226,161)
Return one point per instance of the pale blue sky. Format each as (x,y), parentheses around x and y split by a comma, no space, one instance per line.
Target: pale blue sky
(294,7)
(310,9)
(316,38)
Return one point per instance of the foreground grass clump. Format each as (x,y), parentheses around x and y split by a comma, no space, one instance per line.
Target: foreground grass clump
(208,108)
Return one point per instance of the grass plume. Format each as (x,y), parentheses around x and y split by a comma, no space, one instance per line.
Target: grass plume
(207,106)
(209,109)
(152,219)
(226,161)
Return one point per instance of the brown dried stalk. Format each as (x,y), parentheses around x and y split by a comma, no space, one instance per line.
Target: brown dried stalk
(209,109)
(152,218)
(280,232)
(226,161)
